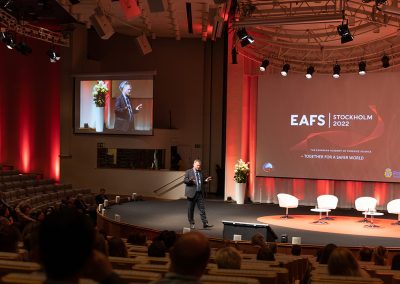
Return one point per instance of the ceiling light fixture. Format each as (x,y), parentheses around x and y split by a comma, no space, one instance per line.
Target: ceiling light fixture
(53,55)
(264,65)
(362,65)
(244,37)
(385,61)
(310,72)
(285,69)
(336,71)
(344,32)
(8,39)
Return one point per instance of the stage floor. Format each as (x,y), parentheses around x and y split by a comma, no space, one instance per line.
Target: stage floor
(343,230)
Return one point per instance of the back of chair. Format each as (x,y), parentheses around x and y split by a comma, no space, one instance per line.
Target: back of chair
(287,201)
(394,206)
(327,201)
(365,203)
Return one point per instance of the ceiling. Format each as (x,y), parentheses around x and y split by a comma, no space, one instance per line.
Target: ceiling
(300,33)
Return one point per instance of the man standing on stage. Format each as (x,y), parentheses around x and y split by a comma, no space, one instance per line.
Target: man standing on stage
(194,193)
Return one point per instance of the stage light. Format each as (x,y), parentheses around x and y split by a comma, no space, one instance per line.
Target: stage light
(344,32)
(23,48)
(53,55)
(336,71)
(362,65)
(264,65)
(234,56)
(385,61)
(310,72)
(285,69)
(8,39)
(244,37)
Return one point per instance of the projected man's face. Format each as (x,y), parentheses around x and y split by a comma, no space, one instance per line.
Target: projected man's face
(127,90)
(197,166)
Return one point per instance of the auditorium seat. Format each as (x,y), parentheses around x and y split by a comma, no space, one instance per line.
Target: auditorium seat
(227,279)
(137,276)
(323,278)
(287,201)
(327,201)
(365,204)
(393,207)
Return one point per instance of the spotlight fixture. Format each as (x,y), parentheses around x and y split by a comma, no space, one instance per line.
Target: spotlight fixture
(285,69)
(244,37)
(310,72)
(234,56)
(8,39)
(23,48)
(53,55)
(344,32)
(264,65)
(362,65)
(336,71)
(385,61)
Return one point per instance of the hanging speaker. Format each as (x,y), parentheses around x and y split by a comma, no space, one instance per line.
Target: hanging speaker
(130,8)
(101,24)
(144,44)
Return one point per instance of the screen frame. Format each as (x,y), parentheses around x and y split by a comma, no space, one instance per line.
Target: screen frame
(77,78)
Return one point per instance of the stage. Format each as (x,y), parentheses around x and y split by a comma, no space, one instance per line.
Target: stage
(345,229)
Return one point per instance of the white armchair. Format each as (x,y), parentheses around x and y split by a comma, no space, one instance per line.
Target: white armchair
(327,201)
(287,201)
(393,207)
(365,204)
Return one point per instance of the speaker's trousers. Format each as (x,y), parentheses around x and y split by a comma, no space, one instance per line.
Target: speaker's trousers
(196,200)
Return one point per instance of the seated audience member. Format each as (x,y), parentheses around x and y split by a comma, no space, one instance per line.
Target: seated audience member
(168,237)
(396,262)
(228,257)
(265,253)
(342,262)
(137,239)
(101,196)
(30,238)
(296,250)
(38,215)
(5,216)
(258,240)
(380,255)
(273,247)
(100,243)
(9,236)
(66,239)
(189,257)
(326,252)
(157,249)
(66,202)
(116,247)
(25,209)
(80,204)
(365,254)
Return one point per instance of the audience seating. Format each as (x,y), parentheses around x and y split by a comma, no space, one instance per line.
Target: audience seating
(211,279)
(138,276)
(287,201)
(325,278)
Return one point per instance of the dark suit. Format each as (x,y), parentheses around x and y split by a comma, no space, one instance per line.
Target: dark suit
(194,194)
(123,117)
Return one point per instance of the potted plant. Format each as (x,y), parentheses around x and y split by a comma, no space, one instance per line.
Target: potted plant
(99,98)
(241,176)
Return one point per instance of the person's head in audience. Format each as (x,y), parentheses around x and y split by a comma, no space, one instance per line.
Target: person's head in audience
(228,257)
(189,255)
(66,239)
(265,253)
(168,237)
(296,250)
(258,240)
(25,209)
(157,249)
(365,254)
(49,210)
(380,255)
(326,252)
(38,215)
(342,262)
(137,238)
(9,236)
(273,247)
(396,262)
(116,247)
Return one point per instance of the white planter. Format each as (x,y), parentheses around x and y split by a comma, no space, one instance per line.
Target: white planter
(99,117)
(240,192)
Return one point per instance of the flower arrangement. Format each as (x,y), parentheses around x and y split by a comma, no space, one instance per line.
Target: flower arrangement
(242,171)
(99,93)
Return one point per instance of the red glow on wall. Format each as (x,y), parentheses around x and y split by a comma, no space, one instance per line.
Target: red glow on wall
(25,124)
(380,191)
(299,186)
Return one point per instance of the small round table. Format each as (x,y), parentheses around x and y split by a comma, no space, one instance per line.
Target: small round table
(371,220)
(320,210)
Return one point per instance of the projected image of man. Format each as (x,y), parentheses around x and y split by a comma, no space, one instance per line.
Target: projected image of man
(124,111)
